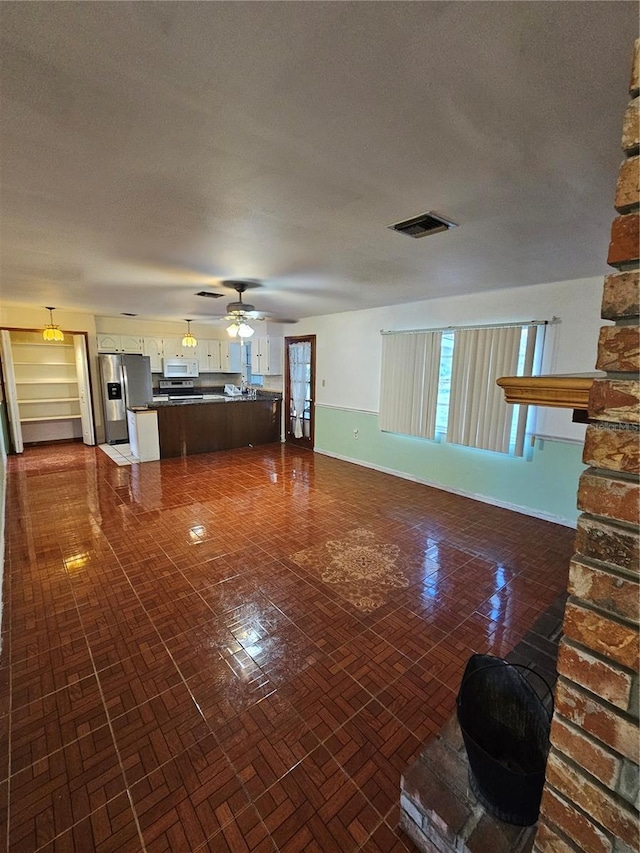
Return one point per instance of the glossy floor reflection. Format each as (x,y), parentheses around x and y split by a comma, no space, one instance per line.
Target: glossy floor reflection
(171,679)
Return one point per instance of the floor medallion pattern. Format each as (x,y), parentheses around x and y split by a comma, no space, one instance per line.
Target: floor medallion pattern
(363,569)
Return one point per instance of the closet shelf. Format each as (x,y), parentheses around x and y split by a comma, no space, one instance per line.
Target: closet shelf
(50,418)
(73,381)
(38,344)
(50,400)
(47,363)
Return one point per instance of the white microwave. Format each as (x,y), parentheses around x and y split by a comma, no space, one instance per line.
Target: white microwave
(179,368)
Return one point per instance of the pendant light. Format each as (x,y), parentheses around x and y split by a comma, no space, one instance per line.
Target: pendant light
(189,340)
(52,332)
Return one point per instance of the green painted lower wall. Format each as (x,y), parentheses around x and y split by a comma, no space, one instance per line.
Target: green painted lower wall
(544,481)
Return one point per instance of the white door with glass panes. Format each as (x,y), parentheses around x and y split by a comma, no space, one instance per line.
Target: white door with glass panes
(299,397)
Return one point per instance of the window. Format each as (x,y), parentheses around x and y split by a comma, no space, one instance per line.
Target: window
(444,383)
(462,401)
(409,383)
(249,377)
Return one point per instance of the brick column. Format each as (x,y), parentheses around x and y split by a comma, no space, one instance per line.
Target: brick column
(591,799)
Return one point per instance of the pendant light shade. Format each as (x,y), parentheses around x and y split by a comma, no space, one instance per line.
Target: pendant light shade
(52,332)
(189,340)
(239,329)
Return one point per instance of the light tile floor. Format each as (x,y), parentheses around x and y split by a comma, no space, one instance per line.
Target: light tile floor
(176,677)
(120,453)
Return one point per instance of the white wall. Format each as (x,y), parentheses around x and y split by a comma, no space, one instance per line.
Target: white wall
(349,345)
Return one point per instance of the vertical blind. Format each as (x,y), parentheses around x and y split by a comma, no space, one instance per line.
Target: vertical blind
(409,383)
(478,414)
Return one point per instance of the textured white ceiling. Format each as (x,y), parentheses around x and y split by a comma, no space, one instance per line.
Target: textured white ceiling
(149,150)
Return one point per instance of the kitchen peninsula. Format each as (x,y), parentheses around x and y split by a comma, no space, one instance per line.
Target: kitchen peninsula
(219,422)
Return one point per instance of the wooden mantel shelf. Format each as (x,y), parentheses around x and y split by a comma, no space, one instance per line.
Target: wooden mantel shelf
(562,391)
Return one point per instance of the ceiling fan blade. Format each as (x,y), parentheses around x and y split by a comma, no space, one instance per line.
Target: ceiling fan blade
(271,319)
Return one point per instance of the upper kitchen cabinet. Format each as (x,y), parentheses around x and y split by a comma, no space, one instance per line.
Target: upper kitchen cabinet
(208,354)
(119,343)
(230,357)
(213,355)
(154,349)
(172,348)
(216,356)
(267,356)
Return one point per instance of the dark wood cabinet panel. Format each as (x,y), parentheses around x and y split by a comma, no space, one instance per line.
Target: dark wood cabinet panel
(204,427)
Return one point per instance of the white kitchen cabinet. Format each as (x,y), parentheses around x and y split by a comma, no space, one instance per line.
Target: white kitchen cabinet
(119,343)
(216,356)
(143,434)
(267,355)
(213,360)
(201,352)
(230,357)
(172,348)
(153,347)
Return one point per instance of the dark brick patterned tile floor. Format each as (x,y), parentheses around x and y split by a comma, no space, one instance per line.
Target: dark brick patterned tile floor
(172,680)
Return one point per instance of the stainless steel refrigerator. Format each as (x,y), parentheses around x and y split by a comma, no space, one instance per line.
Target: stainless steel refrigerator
(126,381)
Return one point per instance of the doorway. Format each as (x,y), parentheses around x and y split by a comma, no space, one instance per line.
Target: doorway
(47,391)
(300,387)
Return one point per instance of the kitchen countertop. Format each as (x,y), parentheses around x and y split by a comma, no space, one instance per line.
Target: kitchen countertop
(215,399)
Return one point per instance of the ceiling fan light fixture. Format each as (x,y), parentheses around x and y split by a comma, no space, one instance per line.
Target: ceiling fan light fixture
(51,332)
(189,340)
(232,330)
(244,330)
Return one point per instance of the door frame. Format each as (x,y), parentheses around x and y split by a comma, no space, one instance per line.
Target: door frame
(15,429)
(84,388)
(288,436)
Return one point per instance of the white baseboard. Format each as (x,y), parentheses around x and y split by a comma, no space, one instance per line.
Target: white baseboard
(523,510)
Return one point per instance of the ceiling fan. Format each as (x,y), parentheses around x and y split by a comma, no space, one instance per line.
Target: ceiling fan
(240,309)
(239,312)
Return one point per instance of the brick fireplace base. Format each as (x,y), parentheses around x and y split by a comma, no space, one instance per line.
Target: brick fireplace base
(438,810)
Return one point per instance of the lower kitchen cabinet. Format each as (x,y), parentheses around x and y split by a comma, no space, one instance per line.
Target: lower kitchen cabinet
(204,427)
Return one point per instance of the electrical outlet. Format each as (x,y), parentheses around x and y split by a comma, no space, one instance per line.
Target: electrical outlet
(323,383)
(356,434)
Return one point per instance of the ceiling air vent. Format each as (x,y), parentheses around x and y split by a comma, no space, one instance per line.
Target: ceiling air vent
(423,225)
(209,294)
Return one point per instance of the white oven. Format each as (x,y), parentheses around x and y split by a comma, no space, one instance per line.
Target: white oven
(179,368)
